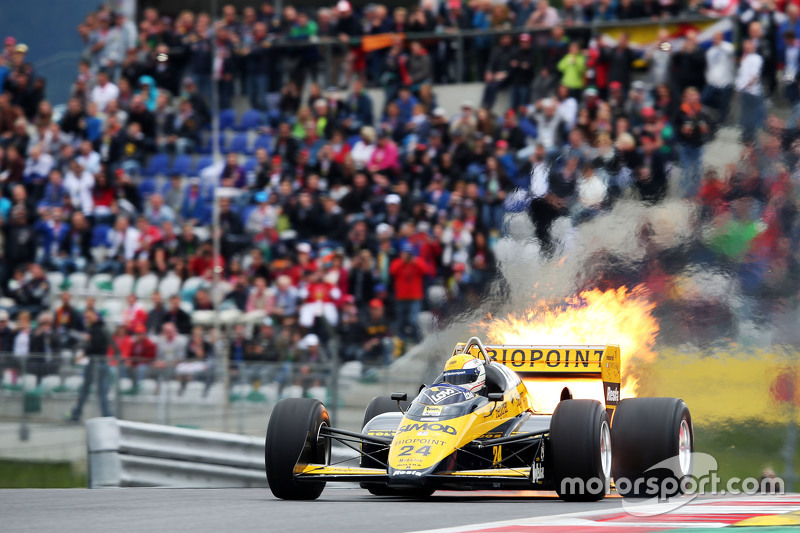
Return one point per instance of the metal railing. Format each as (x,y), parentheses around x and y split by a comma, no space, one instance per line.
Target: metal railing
(461,37)
(45,388)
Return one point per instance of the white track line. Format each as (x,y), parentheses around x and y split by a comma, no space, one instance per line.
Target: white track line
(696,506)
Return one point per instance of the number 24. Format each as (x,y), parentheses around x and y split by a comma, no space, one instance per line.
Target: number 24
(405,451)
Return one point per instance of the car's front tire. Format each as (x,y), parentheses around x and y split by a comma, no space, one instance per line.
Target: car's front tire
(293,437)
(647,432)
(580,450)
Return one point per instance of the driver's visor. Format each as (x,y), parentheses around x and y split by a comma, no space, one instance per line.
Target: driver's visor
(460,377)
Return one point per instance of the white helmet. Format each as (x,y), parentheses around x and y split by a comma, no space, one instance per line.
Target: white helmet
(465,371)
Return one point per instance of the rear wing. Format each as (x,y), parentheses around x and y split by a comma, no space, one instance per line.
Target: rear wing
(565,362)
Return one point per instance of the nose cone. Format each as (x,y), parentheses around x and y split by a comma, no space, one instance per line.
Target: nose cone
(418,447)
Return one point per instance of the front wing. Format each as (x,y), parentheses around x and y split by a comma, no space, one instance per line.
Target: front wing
(455,480)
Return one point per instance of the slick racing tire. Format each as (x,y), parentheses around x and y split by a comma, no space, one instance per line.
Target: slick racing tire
(377,406)
(580,450)
(652,441)
(293,437)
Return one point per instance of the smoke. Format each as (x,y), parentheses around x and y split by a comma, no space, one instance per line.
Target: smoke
(584,257)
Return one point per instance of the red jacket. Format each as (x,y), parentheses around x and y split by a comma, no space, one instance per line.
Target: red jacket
(143,352)
(408,276)
(320,292)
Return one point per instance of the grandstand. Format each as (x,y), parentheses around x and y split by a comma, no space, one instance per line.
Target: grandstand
(302,194)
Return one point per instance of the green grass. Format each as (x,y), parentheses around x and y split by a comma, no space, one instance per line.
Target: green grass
(745,450)
(36,474)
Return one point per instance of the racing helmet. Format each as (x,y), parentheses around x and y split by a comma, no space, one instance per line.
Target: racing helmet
(465,371)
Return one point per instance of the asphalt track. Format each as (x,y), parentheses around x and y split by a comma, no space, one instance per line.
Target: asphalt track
(231,510)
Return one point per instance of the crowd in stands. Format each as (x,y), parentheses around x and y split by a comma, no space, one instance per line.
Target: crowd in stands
(348,215)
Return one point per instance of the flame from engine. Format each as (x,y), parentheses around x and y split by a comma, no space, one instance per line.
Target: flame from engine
(616,316)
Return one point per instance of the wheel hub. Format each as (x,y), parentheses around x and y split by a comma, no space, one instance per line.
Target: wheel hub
(685,448)
(605,450)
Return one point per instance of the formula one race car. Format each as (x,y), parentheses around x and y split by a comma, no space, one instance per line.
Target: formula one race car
(476,427)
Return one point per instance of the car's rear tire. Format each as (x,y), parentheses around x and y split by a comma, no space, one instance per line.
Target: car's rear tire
(580,450)
(647,432)
(292,438)
(378,406)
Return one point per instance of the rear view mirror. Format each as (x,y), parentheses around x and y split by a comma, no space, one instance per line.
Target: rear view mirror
(399,396)
(495,396)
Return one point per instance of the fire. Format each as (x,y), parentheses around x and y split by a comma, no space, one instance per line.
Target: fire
(616,316)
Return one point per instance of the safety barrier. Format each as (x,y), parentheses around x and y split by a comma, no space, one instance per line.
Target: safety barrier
(133,454)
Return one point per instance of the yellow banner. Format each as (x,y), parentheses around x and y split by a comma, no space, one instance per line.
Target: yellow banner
(727,387)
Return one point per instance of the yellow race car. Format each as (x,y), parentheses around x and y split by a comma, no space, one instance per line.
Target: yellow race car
(477,427)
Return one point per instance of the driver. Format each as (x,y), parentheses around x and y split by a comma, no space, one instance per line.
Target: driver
(465,371)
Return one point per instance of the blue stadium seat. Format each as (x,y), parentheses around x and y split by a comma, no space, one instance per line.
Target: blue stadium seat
(250,120)
(100,235)
(238,144)
(206,147)
(159,164)
(147,187)
(182,164)
(263,141)
(250,164)
(352,140)
(246,213)
(203,163)
(227,118)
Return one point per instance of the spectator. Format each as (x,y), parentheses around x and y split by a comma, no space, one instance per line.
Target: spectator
(319,297)
(45,349)
(155,317)
(573,70)
(67,321)
(407,274)
(181,130)
(689,65)
(285,300)
(550,125)
(419,67)
(791,67)
(748,85)
(523,65)
(74,250)
(378,345)
(104,92)
(357,108)
(651,182)
(79,183)
(96,340)
(157,213)
(38,165)
(177,316)
(134,314)
(22,342)
(498,70)
(123,240)
(6,333)
(694,128)
(198,362)
(32,296)
(720,75)
(264,345)
(763,33)
(620,60)
(170,350)
(544,16)
(142,354)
